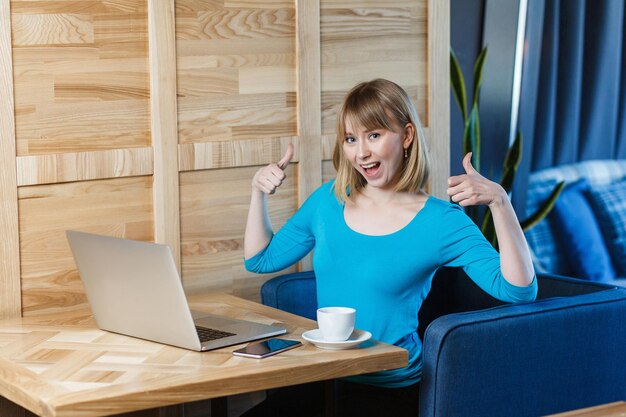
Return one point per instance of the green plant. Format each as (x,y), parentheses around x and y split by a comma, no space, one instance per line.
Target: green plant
(471,143)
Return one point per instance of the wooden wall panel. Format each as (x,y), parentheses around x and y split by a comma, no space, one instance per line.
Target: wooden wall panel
(81,76)
(237,109)
(364,39)
(81,166)
(214,208)
(328,171)
(10,302)
(439,101)
(118,207)
(148,118)
(309,103)
(234,153)
(236,70)
(161,31)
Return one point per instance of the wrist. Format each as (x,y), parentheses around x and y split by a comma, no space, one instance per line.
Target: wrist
(501,198)
(257,195)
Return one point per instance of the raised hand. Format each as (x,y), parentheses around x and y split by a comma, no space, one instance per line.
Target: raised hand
(270,177)
(471,188)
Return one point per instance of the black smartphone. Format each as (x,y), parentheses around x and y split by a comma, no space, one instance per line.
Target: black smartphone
(266,348)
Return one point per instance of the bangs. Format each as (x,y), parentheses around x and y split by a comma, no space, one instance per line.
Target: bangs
(366,111)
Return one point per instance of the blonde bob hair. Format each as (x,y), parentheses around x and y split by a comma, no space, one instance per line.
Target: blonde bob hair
(380,104)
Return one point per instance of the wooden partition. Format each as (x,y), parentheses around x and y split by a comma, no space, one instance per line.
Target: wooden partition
(146,119)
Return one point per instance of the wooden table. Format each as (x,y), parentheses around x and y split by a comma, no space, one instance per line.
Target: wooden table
(616,409)
(63,365)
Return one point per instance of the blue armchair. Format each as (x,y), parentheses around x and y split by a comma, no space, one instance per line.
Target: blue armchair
(482,357)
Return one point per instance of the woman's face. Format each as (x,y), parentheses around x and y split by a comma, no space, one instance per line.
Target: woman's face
(377,154)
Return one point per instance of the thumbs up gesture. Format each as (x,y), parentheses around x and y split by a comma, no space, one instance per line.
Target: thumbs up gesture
(471,188)
(270,177)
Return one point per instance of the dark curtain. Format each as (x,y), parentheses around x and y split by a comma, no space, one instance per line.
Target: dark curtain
(573,93)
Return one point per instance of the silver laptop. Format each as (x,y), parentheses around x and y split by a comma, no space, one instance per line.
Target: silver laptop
(134,289)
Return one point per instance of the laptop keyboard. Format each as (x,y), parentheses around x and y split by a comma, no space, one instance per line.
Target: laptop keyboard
(207,334)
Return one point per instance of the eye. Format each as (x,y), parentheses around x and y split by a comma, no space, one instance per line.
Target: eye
(374,135)
(350,139)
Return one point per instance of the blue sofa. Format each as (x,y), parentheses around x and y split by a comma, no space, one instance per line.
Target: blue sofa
(485,358)
(585,234)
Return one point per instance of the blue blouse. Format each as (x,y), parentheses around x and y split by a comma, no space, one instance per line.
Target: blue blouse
(386,278)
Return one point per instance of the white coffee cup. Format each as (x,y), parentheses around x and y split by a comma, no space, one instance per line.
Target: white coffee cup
(336,323)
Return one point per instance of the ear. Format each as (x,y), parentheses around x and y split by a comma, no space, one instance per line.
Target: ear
(409,135)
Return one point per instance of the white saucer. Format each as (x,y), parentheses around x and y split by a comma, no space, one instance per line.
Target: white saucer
(356,338)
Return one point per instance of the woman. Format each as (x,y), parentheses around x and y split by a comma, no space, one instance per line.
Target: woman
(378,238)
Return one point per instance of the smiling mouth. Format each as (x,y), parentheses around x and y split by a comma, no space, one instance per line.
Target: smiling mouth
(370,169)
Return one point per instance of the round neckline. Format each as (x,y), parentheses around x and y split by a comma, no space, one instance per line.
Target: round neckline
(413,220)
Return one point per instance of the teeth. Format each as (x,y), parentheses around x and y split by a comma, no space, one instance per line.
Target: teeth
(372,165)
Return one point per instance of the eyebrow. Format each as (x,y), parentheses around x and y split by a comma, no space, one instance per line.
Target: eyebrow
(366,130)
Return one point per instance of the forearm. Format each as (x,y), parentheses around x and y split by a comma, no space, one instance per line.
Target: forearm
(515,260)
(471,189)
(258,226)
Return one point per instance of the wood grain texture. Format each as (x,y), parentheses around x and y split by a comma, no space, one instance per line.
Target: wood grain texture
(81,76)
(269,4)
(328,171)
(364,39)
(80,128)
(309,102)
(165,190)
(78,7)
(10,299)
(232,154)
(439,102)
(52,29)
(119,207)
(236,70)
(214,207)
(81,166)
(309,91)
(328,145)
(61,365)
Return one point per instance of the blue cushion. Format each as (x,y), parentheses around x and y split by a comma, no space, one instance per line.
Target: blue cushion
(609,204)
(295,293)
(579,234)
(541,237)
(550,254)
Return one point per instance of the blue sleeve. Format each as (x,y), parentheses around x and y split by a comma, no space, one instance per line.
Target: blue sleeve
(291,243)
(463,245)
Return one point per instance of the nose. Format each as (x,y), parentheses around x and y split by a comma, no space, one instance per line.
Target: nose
(363,150)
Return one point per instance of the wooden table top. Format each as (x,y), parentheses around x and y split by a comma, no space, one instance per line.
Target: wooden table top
(63,365)
(616,409)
